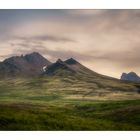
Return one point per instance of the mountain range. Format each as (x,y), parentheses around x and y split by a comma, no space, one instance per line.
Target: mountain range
(67,75)
(131,76)
(35,64)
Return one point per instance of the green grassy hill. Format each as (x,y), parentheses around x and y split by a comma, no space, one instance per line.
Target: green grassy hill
(68,103)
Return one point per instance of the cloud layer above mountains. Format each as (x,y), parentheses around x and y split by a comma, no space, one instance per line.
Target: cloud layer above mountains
(107,41)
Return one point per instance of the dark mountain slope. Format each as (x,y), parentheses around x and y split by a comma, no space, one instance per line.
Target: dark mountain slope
(85,72)
(36,59)
(30,64)
(59,68)
(75,65)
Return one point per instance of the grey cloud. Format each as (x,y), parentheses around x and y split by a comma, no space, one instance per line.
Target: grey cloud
(126,58)
(46,38)
(53,54)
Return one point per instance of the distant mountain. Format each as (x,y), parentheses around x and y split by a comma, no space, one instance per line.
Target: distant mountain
(30,64)
(131,76)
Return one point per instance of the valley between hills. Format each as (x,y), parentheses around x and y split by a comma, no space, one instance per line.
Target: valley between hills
(36,94)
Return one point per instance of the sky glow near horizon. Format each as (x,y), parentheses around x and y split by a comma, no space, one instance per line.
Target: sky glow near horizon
(106,41)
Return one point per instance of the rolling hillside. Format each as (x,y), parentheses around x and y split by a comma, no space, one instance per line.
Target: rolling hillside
(69,77)
(67,96)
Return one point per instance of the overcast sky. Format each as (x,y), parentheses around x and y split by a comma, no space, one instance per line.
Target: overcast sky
(107,41)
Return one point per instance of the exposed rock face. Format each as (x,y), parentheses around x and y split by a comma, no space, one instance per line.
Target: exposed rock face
(59,68)
(30,64)
(131,76)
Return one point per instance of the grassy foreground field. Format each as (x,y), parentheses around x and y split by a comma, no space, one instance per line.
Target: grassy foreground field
(71,115)
(39,104)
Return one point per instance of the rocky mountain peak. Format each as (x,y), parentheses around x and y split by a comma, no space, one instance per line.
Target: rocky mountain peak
(59,61)
(131,76)
(71,61)
(29,64)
